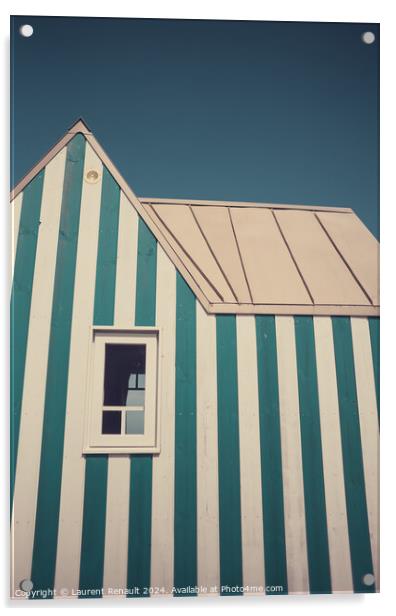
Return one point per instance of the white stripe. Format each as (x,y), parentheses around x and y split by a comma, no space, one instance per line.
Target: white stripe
(117,521)
(369,429)
(73,469)
(118,477)
(125,292)
(207,462)
(163,464)
(250,457)
(16,208)
(333,469)
(33,400)
(293,487)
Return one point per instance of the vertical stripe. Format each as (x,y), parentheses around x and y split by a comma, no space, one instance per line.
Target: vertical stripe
(163,464)
(117,508)
(231,578)
(73,471)
(16,209)
(139,545)
(125,291)
(146,276)
(20,305)
(271,458)
(250,459)
(207,464)
(26,479)
(106,266)
(359,539)
(185,520)
(293,487)
(94,515)
(374,326)
(93,531)
(368,419)
(314,494)
(47,513)
(333,473)
(116,524)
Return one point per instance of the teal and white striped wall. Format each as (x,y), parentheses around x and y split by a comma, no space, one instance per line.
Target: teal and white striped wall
(267,477)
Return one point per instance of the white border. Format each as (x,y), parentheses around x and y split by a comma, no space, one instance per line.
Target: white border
(286,10)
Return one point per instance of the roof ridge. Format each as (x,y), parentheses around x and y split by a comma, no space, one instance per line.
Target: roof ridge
(251,204)
(80,126)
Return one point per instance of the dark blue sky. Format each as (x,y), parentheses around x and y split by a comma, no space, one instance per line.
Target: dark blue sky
(255,111)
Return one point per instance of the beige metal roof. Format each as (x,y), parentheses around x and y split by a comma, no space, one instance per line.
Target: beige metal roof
(262,258)
(255,258)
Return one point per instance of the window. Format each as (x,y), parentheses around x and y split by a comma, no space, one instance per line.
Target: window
(122,395)
(124,389)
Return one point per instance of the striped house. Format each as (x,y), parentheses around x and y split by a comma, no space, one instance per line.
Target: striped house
(195,391)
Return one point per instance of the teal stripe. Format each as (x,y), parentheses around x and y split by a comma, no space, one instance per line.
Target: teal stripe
(185,517)
(311,445)
(21,297)
(374,326)
(93,530)
(271,457)
(139,543)
(93,534)
(106,266)
(359,538)
(48,500)
(228,457)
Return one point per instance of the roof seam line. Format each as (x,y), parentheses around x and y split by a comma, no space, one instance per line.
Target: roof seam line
(240,255)
(356,279)
(191,258)
(293,258)
(212,253)
(177,266)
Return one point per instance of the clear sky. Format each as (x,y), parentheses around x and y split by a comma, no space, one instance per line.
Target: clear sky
(253,111)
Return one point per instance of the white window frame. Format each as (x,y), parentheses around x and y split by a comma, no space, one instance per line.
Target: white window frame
(95,441)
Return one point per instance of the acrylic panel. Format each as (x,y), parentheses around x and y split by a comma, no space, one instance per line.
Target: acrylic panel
(195,255)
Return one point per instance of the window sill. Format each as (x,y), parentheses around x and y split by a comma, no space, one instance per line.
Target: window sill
(120,450)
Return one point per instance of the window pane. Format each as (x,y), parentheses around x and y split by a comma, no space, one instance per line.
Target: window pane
(135,397)
(122,361)
(135,422)
(132,381)
(111,422)
(142,381)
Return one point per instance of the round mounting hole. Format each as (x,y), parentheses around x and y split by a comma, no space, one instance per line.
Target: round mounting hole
(26,585)
(26,30)
(92,176)
(368,579)
(368,38)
